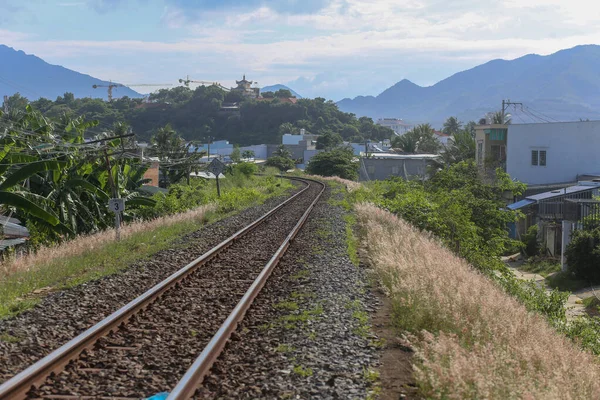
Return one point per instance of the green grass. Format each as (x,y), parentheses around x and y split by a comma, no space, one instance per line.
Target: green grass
(6,338)
(284,348)
(541,267)
(286,305)
(303,371)
(351,240)
(17,290)
(566,282)
(300,275)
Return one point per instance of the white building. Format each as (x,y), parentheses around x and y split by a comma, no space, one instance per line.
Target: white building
(550,153)
(397,125)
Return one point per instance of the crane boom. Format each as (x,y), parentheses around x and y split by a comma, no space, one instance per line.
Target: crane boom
(111,86)
(187,82)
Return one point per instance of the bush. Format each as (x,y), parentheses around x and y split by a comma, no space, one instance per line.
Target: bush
(530,241)
(583,254)
(338,162)
(245,168)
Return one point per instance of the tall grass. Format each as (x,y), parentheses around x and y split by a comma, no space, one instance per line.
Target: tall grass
(86,243)
(473,340)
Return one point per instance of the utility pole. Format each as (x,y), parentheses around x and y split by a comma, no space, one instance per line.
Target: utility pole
(115,193)
(5,104)
(506,104)
(209,139)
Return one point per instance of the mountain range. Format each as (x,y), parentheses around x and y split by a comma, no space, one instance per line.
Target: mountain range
(33,78)
(275,88)
(563,86)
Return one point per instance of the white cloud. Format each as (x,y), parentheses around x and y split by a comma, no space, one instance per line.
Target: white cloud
(376,35)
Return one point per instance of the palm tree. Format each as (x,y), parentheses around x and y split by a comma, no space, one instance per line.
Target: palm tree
(499,118)
(282,151)
(452,126)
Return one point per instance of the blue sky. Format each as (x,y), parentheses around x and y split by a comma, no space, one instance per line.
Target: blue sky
(328,48)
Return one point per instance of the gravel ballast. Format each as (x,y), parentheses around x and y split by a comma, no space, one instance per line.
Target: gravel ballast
(307,334)
(63,315)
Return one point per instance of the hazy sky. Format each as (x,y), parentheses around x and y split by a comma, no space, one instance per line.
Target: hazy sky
(328,48)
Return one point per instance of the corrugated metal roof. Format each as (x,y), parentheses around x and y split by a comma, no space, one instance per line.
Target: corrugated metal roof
(520,204)
(561,192)
(11,229)
(10,242)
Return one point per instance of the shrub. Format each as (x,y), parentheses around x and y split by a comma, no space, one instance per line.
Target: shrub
(337,162)
(583,254)
(530,241)
(245,168)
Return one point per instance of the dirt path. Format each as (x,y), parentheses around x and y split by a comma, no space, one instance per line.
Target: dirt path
(574,304)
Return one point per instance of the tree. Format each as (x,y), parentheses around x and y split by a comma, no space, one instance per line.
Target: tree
(452,126)
(460,148)
(236,154)
(282,151)
(337,162)
(247,154)
(165,142)
(329,140)
(420,139)
(287,127)
(281,163)
(283,94)
(16,102)
(497,118)
(268,95)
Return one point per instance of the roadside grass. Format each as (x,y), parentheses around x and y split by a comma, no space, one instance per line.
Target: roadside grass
(543,267)
(566,282)
(472,339)
(25,281)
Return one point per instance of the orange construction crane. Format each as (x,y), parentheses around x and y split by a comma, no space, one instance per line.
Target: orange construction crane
(111,86)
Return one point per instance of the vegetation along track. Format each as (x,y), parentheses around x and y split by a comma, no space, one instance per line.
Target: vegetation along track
(146,346)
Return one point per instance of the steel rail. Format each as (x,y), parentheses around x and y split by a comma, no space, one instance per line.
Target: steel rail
(18,386)
(194,376)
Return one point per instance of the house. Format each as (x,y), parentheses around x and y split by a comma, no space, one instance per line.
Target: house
(490,142)
(541,154)
(549,153)
(381,166)
(443,138)
(549,209)
(397,125)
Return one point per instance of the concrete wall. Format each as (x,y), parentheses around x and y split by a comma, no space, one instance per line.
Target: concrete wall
(572,149)
(260,150)
(381,169)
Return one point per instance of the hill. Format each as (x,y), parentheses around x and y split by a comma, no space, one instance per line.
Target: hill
(33,78)
(274,88)
(564,86)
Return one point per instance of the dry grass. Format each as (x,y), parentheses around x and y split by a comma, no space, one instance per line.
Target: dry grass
(350,185)
(473,340)
(86,243)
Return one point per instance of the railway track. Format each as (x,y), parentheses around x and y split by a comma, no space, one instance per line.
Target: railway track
(168,338)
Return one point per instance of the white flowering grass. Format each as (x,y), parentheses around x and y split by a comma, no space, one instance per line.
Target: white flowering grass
(473,340)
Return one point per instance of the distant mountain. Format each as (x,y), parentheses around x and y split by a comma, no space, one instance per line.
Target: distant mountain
(563,86)
(33,78)
(275,88)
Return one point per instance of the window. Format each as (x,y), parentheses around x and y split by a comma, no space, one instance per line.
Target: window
(480,152)
(542,158)
(395,170)
(371,169)
(499,153)
(538,158)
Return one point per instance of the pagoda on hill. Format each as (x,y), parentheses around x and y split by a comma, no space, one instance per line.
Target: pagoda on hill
(245,88)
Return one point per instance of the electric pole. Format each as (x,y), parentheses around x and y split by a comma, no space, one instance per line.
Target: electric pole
(505,105)
(5,104)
